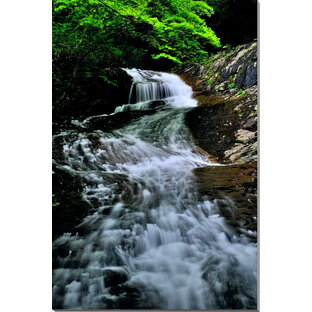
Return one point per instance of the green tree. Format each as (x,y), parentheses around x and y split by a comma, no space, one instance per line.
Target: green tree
(125,32)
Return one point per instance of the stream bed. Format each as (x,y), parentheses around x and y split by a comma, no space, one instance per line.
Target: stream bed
(150,241)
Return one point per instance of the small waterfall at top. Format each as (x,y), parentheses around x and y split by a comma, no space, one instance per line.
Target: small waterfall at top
(149,86)
(151,242)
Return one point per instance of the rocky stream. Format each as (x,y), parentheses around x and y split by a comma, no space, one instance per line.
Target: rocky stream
(154,197)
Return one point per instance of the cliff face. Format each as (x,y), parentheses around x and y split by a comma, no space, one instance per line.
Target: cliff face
(225,122)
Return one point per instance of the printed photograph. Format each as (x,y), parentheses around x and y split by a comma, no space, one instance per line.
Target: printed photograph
(154,155)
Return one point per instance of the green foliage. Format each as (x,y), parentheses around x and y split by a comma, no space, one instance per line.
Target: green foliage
(127,32)
(241,92)
(231,85)
(167,56)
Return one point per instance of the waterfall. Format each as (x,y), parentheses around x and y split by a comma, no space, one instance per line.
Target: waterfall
(152,241)
(150,86)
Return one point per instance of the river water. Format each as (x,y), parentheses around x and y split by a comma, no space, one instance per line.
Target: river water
(151,240)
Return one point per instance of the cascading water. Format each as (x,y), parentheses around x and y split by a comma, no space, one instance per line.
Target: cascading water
(150,86)
(151,242)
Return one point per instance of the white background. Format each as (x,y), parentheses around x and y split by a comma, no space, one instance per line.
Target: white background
(285,155)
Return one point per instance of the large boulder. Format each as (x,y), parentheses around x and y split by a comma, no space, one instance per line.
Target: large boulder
(114,277)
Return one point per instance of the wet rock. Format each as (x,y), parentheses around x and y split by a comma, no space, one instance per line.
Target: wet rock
(244,136)
(157,104)
(115,121)
(242,153)
(129,297)
(251,124)
(114,278)
(234,188)
(251,75)
(221,127)
(240,76)
(233,91)
(68,208)
(210,129)
(149,106)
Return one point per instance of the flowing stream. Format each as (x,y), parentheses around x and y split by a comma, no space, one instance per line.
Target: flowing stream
(151,240)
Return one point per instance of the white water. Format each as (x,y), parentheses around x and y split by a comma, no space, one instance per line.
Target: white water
(151,86)
(148,221)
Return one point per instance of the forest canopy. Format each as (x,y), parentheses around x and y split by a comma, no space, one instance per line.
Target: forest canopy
(132,32)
